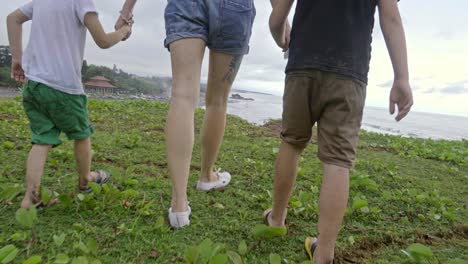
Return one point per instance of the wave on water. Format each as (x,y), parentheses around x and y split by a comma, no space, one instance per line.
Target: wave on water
(416,124)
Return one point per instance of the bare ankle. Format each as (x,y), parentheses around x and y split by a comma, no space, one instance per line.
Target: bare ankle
(324,257)
(275,220)
(179,206)
(30,199)
(209,176)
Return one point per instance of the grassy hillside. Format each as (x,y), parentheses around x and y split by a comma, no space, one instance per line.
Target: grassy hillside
(404,191)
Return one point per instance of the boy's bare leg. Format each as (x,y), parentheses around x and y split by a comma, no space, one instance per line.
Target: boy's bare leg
(34,171)
(83,162)
(222,72)
(186,59)
(332,205)
(285,177)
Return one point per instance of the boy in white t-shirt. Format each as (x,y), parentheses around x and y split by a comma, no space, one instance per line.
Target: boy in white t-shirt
(54,98)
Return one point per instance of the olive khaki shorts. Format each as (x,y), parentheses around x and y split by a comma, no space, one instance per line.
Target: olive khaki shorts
(51,112)
(335,103)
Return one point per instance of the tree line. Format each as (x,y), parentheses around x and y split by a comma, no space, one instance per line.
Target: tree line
(125,82)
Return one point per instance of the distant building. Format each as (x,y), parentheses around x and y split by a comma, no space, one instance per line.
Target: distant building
(99,85)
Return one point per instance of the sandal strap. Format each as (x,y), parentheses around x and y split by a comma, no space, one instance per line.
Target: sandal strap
(313,247)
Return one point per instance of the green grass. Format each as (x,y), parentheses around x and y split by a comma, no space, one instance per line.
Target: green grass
(403,191)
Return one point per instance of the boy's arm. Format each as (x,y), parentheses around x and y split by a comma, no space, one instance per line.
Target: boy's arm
(279,25)
(103,40)
(15,22)
(394,34)
(126,16)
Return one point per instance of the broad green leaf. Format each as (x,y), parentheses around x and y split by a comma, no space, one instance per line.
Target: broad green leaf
(46,195)
(65,200)
(96,261)
(26,217)
(95,187)
(205,250)
(58,240)
(80,260)
(234,257)
(82,247)
(418,250)
(8,253)
(358,204)
(219,259)
(218,206)
(80,196)
(8,145)
(242,248)
(61,259)
(263,231)
(93,246)
(129,193)
(19,236)
(448,215)
(78,227)
(33,260)
(364,209)
(131,182)
(216,248)
(275,259)
(191,254)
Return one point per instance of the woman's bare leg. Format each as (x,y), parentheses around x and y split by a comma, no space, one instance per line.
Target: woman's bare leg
(222,72)
(186,59)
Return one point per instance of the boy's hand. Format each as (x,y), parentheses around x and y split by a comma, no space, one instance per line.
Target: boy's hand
(126,30)
(279,25)
(282,37)
(287,35)
(121,21)
(17,72)
(401,96)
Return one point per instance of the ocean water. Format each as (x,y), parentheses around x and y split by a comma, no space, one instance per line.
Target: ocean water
(416,124)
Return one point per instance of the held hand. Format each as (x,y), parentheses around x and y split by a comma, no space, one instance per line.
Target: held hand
(121,22)
(402,96)
(17,72)
(126,31)
(282,38)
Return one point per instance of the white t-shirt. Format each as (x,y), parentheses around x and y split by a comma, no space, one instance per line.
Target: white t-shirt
(54,55)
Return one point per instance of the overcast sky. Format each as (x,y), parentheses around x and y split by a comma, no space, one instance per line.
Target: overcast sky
(436,31)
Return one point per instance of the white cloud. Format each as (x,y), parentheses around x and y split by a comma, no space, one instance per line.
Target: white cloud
(435,31)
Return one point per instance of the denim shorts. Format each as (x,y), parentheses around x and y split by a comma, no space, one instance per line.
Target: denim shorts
(225,25)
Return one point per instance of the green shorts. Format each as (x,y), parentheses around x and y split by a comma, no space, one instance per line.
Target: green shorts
(51,112)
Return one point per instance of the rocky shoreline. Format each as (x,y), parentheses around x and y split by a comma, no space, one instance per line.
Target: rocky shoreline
(9,92)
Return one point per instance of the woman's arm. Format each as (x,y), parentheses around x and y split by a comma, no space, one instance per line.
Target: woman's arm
(126,16)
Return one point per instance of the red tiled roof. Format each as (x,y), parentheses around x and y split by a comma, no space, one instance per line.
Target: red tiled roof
(99,81)
(100,78)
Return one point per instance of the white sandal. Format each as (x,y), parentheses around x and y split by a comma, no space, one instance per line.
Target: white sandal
(224,178)
(180,219)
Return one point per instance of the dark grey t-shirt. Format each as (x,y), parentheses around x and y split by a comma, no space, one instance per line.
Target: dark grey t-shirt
(333,36)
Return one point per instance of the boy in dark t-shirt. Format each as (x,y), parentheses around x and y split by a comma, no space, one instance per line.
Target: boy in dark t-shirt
(326,79)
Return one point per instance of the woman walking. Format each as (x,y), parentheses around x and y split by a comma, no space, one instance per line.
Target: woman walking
(225,27)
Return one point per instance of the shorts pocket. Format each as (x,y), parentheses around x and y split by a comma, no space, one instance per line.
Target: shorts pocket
(179,16)
(63,116)
(237,18)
